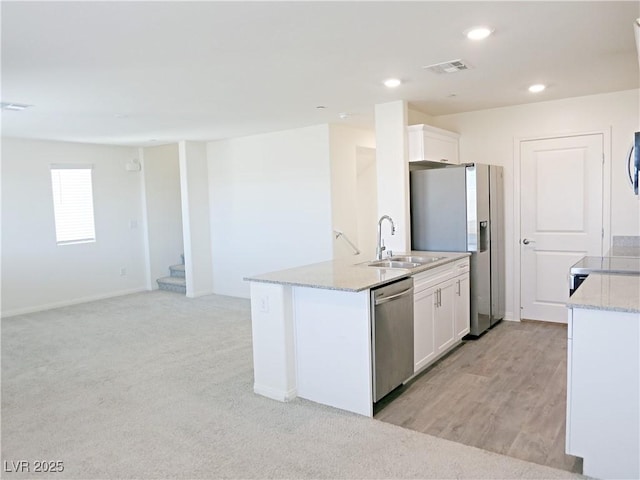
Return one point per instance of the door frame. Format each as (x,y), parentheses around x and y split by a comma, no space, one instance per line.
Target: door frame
(606,201)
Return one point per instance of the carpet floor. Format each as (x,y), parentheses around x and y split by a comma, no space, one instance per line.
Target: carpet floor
(156,385)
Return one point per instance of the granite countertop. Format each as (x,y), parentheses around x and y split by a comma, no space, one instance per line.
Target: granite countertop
(624,251)
(351,274)
(617,265)
(606,291)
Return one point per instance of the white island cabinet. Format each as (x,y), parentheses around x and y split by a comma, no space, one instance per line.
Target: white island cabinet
(311,328)
(603,376)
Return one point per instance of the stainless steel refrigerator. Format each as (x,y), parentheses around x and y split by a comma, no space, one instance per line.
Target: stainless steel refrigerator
(459,208)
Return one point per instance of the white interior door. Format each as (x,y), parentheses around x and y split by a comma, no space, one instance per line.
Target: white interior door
(561,203)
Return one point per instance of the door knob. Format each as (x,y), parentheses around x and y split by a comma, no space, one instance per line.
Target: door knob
(526,241)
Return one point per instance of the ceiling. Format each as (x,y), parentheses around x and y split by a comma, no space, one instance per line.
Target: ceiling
(146,73)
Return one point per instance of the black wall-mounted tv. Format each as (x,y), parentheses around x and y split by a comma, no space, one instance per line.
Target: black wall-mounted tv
(636,163)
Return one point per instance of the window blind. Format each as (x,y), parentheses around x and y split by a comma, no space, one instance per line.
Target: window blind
(73,204)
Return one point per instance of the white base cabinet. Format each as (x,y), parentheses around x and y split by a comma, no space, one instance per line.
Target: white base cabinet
(424,349)
(441,311)
(443,328)
(462,304)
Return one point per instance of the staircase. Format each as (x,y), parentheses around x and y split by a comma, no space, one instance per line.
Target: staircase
(176,282)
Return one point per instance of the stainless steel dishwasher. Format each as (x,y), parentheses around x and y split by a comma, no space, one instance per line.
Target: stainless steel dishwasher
(392,331)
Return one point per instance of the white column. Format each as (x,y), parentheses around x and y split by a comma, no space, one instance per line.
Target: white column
(194,189)
(393,172)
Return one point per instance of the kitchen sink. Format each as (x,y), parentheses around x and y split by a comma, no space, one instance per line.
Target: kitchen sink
(414,259)
(393,264)
(404,261)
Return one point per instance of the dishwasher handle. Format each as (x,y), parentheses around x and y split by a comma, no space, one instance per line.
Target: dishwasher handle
(393,297)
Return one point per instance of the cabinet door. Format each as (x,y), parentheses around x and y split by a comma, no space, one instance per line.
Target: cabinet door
(432,144)
(444,332)
(462,305)
(423,315)
(440,149)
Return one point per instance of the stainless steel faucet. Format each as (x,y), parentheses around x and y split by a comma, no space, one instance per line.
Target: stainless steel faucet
(380,245)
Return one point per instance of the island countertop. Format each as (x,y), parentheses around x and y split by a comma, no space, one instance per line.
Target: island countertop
(608,291)
(350,274)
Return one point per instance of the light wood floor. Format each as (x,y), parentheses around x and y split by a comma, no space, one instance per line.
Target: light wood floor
(504,392)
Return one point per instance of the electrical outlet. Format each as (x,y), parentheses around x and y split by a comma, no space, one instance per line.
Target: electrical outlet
(264,304)
(123,271)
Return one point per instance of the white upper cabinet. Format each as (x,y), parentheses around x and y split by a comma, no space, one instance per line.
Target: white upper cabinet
(432,144)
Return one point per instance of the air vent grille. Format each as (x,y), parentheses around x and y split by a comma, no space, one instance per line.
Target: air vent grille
(452,66)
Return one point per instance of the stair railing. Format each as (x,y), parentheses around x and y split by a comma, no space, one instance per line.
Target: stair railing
(339,234)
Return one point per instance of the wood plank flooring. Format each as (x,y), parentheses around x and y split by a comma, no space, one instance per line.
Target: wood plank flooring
(504,392)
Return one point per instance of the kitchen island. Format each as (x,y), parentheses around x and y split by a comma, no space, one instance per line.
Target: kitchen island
(603,375)
(311,328)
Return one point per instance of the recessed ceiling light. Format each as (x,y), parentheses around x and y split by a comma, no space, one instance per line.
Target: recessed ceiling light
(537,88)
(392,83)
(16,107)
(478,33)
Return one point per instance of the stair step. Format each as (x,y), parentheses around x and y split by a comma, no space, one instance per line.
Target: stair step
(173,284)
(177,271)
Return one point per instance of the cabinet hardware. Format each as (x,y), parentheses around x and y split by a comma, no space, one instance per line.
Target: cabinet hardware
(458,287)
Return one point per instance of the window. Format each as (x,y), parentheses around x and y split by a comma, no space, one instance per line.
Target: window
(73,204)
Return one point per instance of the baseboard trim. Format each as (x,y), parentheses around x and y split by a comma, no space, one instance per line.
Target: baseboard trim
(74,301)
(275,394)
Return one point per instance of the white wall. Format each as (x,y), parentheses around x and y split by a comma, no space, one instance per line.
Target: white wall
(350,215)
(196,230)
(270,198)
(488,136)
(161,172)
(416,117)
(38,274)
(367,198)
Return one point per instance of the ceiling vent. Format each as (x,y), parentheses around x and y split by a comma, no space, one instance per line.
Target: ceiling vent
(452,66)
